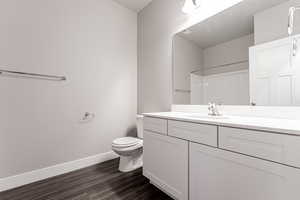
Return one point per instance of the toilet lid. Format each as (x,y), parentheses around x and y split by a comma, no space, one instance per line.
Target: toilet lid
(126,142)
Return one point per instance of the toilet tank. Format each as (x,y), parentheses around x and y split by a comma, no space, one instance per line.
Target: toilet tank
(139,125)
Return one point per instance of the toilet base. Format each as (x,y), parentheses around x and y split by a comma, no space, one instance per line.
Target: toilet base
(130,163)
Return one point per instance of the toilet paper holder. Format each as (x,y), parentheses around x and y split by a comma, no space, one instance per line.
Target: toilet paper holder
(87,117)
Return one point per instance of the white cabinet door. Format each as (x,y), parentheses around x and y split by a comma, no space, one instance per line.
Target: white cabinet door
(272,74)
(220,175)
(296,67)
(166,164)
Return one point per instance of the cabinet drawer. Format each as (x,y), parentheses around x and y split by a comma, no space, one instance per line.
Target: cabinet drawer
(199,133)
(156,125)
(270,146)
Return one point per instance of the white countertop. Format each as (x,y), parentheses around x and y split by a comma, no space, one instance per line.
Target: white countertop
(286,126)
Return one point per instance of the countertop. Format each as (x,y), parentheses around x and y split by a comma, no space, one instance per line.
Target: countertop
(276,125)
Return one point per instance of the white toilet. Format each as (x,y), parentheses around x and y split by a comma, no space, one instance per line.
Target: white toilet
(130,149)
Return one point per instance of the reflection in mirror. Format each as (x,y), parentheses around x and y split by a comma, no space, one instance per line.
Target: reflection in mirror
(241,56)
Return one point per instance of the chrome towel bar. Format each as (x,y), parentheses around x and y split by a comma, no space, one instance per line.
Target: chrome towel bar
(182,91)
(31,75)
(223,65)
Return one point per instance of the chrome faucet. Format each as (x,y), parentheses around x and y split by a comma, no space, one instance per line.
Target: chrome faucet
(213,110)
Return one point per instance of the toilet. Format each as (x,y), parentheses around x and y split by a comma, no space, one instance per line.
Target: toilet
(130,149)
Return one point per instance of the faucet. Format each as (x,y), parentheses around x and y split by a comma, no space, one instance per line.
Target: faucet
(213,110)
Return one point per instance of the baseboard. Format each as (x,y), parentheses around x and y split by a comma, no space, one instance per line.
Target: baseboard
(171,191)
(40,174)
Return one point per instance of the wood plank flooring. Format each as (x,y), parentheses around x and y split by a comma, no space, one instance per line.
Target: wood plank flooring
(99,182)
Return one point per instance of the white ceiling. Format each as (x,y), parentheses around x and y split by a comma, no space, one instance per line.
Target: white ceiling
(233,23)
(135,5)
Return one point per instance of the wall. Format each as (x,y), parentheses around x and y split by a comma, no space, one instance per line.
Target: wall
(272,24)
(93,43)
(187,57)
(197,90)
(157,24)
(230,88)
(233,51)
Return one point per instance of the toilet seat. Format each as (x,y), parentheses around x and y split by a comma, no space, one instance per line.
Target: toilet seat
(127,143)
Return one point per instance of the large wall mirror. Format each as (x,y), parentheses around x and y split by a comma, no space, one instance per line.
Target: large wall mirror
(241,56)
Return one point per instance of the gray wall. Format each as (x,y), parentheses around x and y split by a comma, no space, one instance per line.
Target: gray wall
(156,25)
(233,51)
(93,43)
(272,24)
(187,57)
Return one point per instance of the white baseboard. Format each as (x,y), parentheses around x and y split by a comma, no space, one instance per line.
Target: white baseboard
(40,174)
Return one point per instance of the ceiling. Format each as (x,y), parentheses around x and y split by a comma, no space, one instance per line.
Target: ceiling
(135,5)
(230,24)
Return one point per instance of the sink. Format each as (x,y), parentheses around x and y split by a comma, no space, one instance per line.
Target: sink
(207,117)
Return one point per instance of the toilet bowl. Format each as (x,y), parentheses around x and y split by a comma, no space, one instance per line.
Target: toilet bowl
(130,149)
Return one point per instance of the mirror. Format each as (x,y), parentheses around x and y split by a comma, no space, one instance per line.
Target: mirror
(241,56)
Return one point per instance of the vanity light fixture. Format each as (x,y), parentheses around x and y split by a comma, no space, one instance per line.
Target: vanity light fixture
(190,6)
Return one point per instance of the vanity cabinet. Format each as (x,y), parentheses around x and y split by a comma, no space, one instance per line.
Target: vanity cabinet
(166,163)
(221,175)
(198,161)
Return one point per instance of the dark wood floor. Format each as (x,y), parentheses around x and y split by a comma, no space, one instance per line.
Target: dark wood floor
(99,182)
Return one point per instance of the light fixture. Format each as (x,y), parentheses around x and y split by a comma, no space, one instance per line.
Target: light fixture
(190,6)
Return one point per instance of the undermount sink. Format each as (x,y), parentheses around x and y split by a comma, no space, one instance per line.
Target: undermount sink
(207,116)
